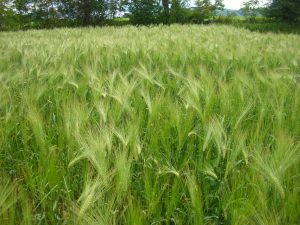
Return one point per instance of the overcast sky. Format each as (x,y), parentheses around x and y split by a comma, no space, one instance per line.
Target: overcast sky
(233,4)
(237,4)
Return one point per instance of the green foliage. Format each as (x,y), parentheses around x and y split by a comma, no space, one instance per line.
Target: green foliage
(270,26)
(180,125)
(251,9)
(24,14)
(205,10)
(288,10)
(260,25)
(178,12)
(36,14)
(151,12)
(144,11)
(91,11)
(6,15)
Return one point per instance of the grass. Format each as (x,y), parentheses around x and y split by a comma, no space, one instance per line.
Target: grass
(162,125)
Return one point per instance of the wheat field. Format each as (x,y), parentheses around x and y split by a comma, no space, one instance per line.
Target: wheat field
(181,124)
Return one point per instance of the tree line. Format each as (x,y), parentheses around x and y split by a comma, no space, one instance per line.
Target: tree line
(22,14)
(53,12)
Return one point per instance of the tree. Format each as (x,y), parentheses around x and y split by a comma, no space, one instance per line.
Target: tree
(113,7)
(178,11)
(21,6)
(219,4)
(174,11)
(287,10)
(7,18)
(144,11)
(166,11)
(250,9)
(68,9)
(205,10)
(92,12)
(2,14)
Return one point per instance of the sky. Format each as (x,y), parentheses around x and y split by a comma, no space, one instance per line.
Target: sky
(233,4)
(237,4)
